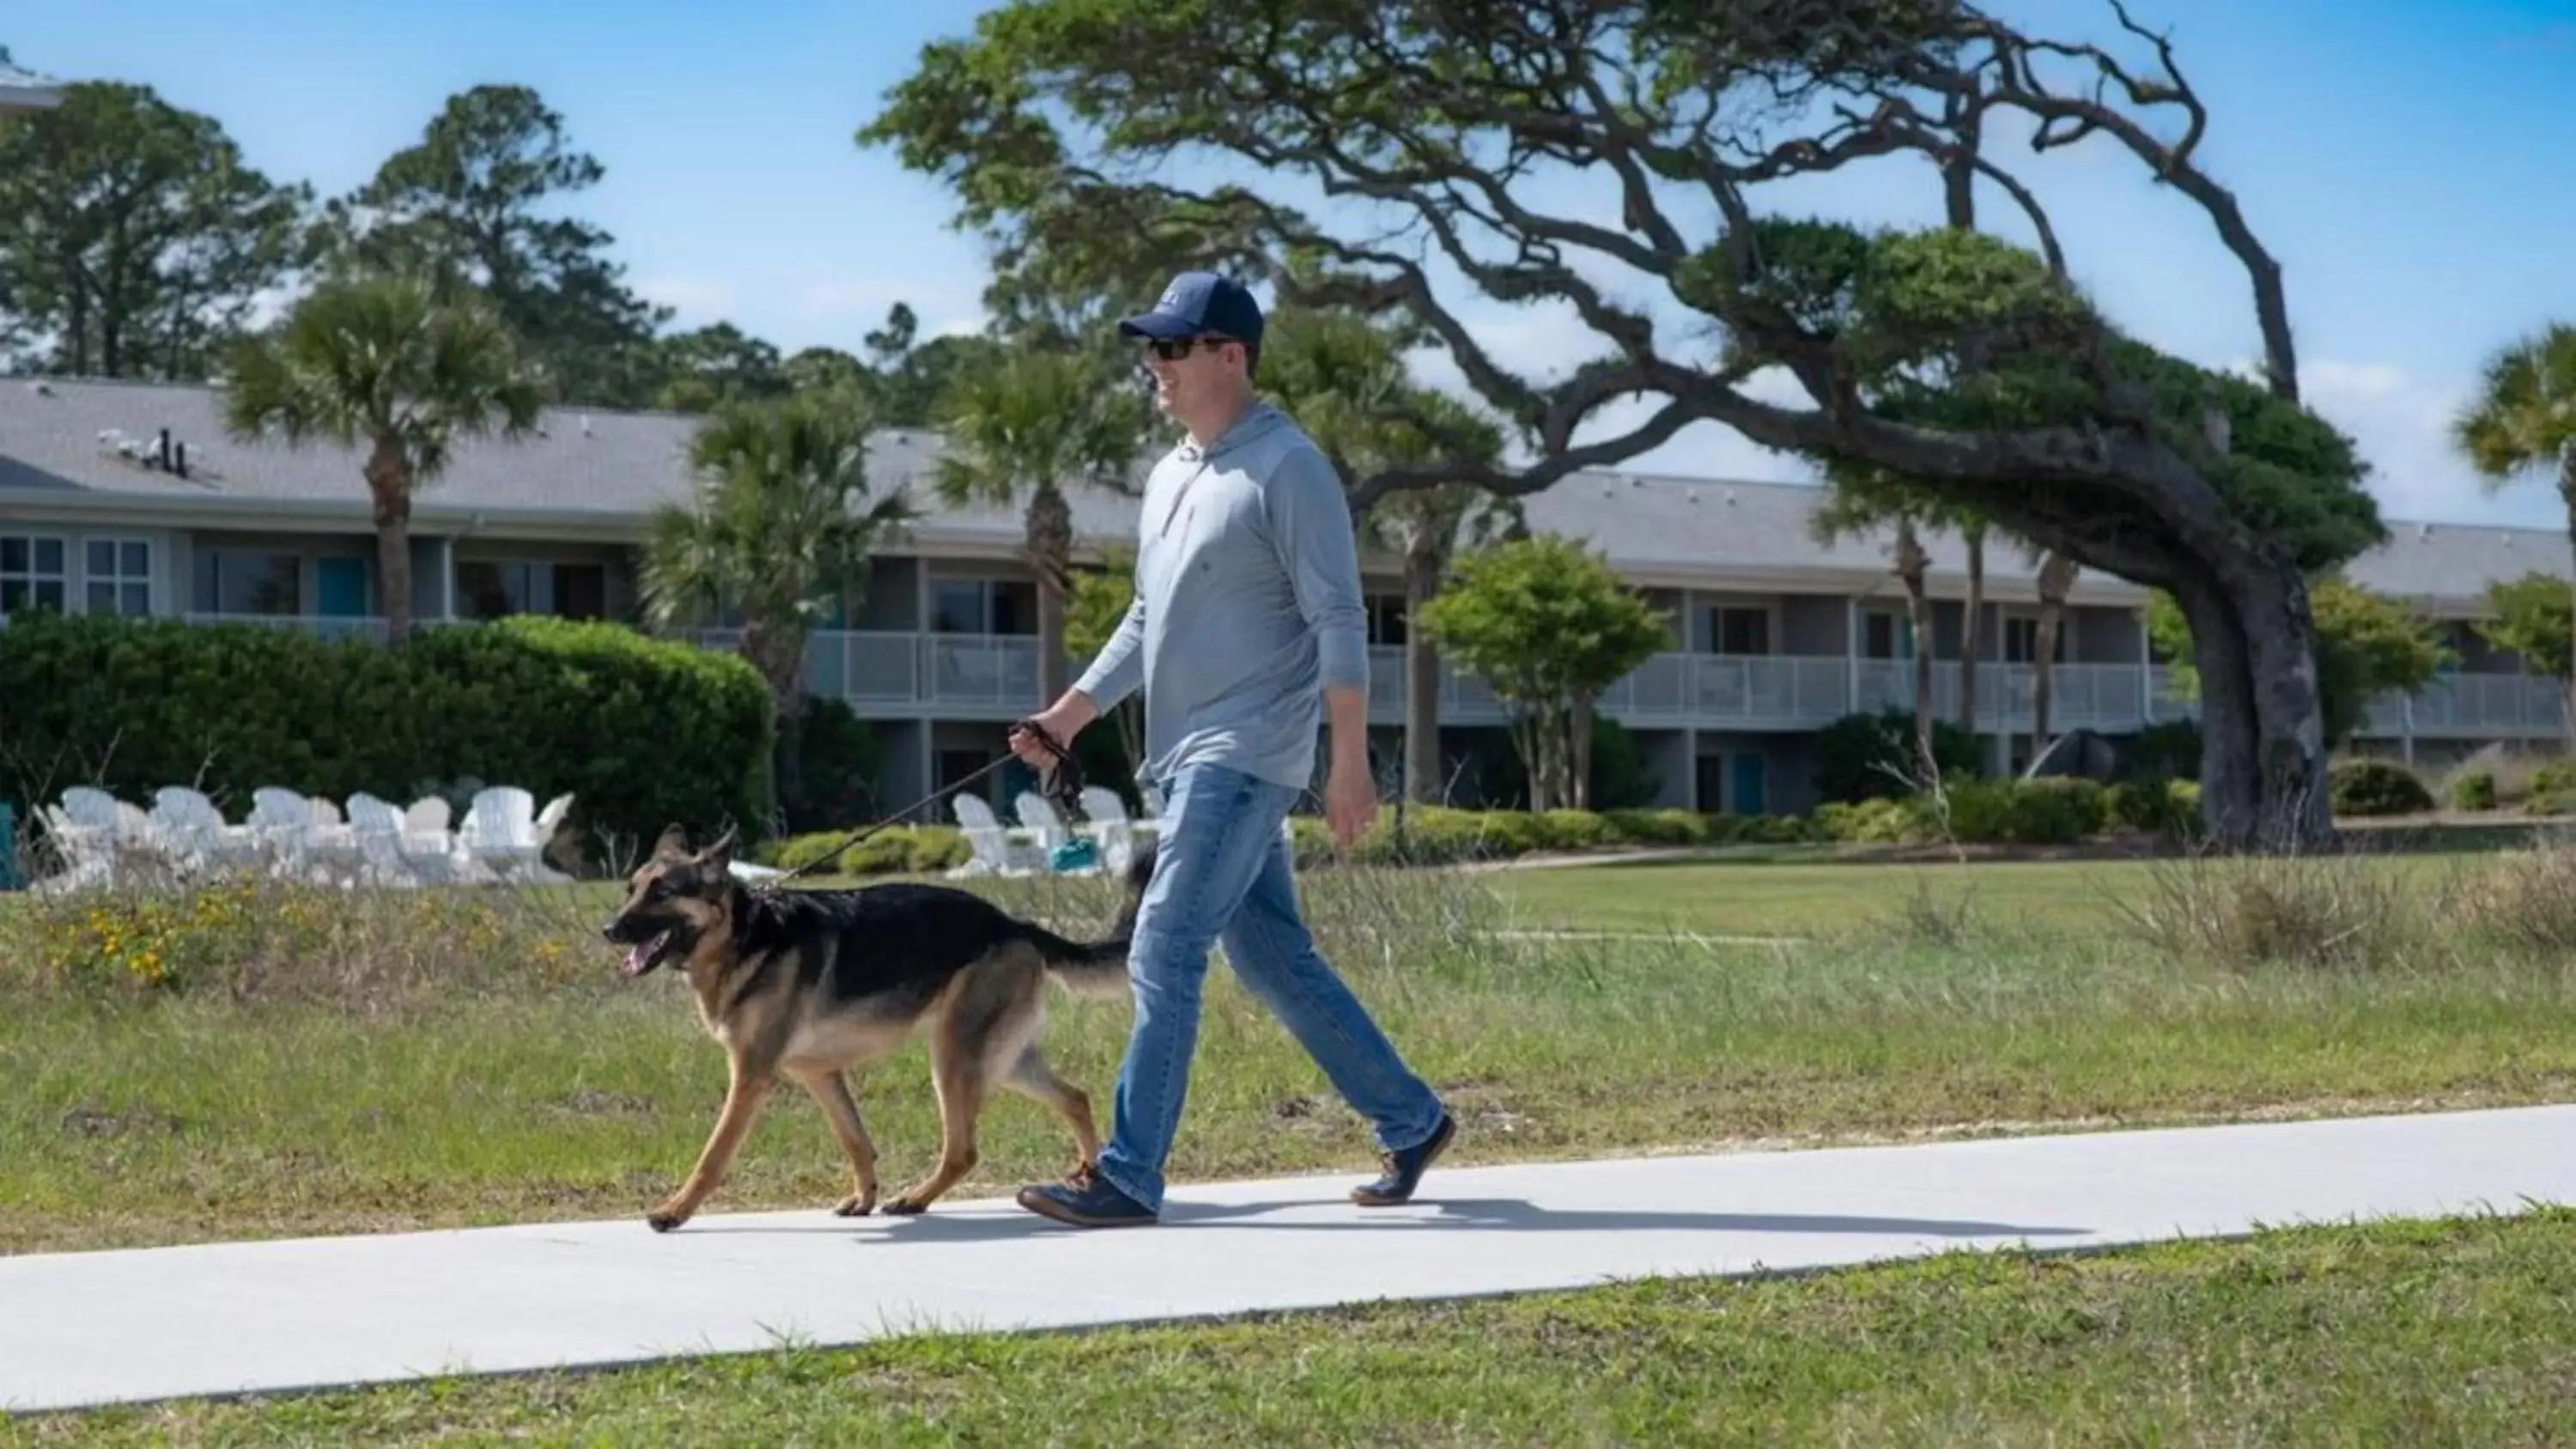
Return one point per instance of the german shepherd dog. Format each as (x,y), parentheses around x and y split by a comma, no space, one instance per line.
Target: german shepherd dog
(807,984)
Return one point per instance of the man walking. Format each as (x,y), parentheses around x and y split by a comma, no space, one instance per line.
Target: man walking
(1246,633)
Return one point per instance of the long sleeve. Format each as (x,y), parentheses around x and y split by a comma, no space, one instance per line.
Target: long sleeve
(1310,522)
(1120,667)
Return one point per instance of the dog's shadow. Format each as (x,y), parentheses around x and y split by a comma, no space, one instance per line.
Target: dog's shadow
(1510,1215)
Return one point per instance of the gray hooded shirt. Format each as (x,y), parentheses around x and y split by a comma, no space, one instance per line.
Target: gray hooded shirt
(1247,605)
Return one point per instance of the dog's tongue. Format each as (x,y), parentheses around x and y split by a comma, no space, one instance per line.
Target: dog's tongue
(637,957)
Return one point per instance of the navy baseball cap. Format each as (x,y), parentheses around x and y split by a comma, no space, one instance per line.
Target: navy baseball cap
(1199,304)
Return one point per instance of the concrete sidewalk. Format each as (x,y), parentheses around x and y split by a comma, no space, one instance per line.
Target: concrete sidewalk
(89,1328)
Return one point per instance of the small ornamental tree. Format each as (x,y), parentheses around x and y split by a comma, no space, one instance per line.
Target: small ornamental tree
(1548,626)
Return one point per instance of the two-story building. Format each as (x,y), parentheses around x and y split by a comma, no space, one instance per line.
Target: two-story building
(131,498)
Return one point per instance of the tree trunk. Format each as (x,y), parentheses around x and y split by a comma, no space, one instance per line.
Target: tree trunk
(2262,762)
(779,656)
(1049,525)
(1970,631)
(1422,566)
(389,482)
(2056,580)
(1579,762)
(1910,566)
(2567,495)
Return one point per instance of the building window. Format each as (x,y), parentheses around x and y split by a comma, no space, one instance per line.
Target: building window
(34,574)
(117,578)
(498,588)
(1886,635)
(245,581)
(1386,619)
(2021,640)
(1741,631)
(983,606)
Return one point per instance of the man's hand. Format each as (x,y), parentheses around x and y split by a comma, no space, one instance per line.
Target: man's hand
(1061,720)
(1350,799)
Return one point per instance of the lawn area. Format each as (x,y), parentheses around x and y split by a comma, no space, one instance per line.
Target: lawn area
(321,1062)
(1805,897)
(2396,1333)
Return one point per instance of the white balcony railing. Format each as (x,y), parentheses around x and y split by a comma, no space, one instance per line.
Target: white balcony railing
(998,674)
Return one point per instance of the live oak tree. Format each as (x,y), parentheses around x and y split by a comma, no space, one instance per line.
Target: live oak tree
(1548,626)
(780,530)
(1604,160)
(393,369)
(2367,646)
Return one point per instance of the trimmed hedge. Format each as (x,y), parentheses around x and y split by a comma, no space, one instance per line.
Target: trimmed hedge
(896,850)
(1441,835)
(642,731)
(2020,812)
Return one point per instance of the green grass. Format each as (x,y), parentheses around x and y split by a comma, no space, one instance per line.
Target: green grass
(1794,897)
(501,1072)
(2423,1334)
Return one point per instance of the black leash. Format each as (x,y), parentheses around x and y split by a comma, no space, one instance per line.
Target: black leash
(1060,780)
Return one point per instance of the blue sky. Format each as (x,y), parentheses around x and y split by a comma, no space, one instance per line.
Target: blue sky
(2407,160)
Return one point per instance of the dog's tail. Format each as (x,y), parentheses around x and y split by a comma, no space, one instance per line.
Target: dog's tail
(1100,967)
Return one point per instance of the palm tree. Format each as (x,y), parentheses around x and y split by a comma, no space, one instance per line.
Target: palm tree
(1025,427)
(389,365)
(781,530)
(2523,420)
(1857,504)
(1343,378)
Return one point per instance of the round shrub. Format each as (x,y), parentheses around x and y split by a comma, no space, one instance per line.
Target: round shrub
(2362,788)
(2474,790)
(1861,756)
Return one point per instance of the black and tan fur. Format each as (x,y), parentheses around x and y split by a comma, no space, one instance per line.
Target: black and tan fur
(804,985)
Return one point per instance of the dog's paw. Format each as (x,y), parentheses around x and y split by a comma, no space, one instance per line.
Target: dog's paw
(907,1205)
(856,1205)
(663,1219)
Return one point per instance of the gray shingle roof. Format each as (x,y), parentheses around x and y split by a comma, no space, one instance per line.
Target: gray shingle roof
(607,469)
(22,89)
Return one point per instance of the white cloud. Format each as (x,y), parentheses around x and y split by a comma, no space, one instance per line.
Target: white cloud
(2400,423)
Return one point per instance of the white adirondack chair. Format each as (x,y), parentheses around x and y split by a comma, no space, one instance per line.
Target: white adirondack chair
(1110,826)
(377,827)
(994,852)
(88,853)
(282,821)
(499,832)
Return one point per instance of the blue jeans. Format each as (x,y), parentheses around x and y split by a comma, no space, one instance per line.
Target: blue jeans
(1224,873)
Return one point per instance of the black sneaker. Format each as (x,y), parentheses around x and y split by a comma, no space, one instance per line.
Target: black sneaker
(1086,1202)
(1404,1169)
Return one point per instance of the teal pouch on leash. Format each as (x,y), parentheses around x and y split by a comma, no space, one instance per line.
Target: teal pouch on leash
(1078,853)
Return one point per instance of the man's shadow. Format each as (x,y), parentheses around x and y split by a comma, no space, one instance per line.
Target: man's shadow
(1509,1215)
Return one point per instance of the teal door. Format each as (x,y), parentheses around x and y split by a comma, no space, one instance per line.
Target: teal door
(340,586)
(1749,784)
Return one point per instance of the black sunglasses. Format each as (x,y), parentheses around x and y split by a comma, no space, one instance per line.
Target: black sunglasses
(1173,349)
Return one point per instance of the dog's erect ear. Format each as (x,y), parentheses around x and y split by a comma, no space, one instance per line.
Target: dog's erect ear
(674,844)
(721,853)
